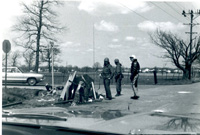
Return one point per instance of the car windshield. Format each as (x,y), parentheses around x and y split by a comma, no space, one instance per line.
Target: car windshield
(99,67)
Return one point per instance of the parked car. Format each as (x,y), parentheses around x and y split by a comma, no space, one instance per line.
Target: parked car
(145,70)
(15,75)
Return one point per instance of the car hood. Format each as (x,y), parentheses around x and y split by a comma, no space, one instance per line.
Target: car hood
(143,123)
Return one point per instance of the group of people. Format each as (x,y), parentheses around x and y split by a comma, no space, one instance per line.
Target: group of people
(108,73)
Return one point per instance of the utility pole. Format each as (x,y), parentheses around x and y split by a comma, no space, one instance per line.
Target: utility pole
(93,44)
(52,66)
(93,33)
(192,18)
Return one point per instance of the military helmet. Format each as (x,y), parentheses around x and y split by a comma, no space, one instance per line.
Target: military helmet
(116,60)
(106,59)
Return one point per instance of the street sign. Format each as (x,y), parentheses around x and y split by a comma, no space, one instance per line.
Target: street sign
(6,46)
(6,49)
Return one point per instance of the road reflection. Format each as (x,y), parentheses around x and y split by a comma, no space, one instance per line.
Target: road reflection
(180,123)
(186,124)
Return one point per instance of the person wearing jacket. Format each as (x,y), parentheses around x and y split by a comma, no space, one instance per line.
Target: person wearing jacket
(135,68)
(118,77)
(107,75)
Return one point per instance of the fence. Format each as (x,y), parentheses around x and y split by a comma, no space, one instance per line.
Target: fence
(144,78)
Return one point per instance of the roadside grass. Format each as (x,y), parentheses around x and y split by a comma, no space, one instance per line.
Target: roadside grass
(29,98)
(11,95)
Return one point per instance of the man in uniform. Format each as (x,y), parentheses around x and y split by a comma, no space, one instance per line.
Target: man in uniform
(135,68)
(118,76)
(107,75)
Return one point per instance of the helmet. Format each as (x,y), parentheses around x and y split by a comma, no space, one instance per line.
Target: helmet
(106,59)
(116,60)
(133,56)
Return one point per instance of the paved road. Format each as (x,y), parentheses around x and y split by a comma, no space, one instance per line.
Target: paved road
(178,107)
(121,114)
(177,99)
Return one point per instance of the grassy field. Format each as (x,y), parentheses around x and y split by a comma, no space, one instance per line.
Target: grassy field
(17,94)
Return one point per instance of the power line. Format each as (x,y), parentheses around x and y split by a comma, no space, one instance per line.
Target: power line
(133,11)
(138,14)
(182,8)
(175,9)
(157,7)
(172,8)
(145,17)
(165,11)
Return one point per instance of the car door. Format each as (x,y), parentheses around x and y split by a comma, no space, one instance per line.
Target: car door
(8,74)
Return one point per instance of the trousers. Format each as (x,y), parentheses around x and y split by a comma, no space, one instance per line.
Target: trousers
(118,86)
(134,84)
(107,88)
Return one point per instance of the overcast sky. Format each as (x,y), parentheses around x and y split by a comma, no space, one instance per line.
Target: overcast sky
(113,29)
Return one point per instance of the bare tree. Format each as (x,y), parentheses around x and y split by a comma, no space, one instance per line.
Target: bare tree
(38,26)
(97,66)
(28,56)
(14,57)
(177,50)
(47,56)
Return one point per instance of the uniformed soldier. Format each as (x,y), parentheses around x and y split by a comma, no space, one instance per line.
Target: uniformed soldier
(135,68)
(118,76)
(107,75)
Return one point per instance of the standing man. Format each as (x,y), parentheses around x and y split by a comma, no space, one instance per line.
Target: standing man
(135,68)
(118,76)
(107,75)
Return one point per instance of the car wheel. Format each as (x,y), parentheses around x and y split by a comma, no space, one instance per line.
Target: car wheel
(32,81)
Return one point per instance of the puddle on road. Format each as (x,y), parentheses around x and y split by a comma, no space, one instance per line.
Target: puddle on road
(182,123)
(159,111)
(184,92)
(105,115)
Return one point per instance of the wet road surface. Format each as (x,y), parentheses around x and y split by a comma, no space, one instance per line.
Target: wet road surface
(165,108)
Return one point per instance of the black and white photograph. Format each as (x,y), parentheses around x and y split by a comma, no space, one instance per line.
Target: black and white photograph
(85,67)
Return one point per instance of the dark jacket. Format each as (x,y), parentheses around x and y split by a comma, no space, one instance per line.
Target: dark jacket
(118,71)
(135,68)
(107,72)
